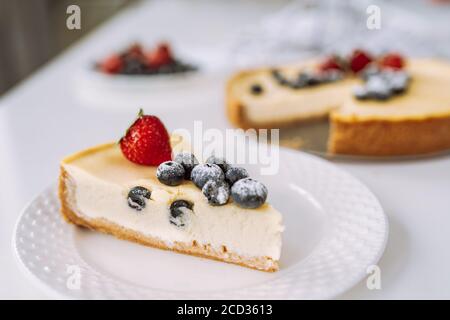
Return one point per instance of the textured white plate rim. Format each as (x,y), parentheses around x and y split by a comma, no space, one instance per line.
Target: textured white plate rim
(48,290)
(363,273)
(357,277)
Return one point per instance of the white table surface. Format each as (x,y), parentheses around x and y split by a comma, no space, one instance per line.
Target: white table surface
(41,121)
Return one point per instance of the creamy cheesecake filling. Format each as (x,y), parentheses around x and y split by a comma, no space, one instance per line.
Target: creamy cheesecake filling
(312,103)
(103,179)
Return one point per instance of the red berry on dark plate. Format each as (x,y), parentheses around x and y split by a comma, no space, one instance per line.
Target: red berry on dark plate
(135,49)
(161,56)
(112,64)
(147,141)
(359,60)
(392,60)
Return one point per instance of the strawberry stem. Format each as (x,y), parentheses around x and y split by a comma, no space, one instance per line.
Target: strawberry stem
(139,115)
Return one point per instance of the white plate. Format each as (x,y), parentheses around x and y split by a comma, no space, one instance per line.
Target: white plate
(335,229)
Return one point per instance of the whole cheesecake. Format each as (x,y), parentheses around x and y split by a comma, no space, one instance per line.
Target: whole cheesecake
(94,189)
(417,121)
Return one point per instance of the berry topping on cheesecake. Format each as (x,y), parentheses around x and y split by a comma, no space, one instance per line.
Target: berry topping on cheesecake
(382,85)
(234,174)
(137,197)
(217,192)
(205,172)
(249,193)
(256,89)
(331,63)
(221,162)
(170,173)
(179,212)
(146,141)
(392,60)
(215,178)
(188,161)
(359,59)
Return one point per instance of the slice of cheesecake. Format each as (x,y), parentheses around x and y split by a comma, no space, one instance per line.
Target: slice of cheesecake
(94,188)
(414,122)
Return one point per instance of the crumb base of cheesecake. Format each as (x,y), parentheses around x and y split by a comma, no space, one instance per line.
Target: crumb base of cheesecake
(71,215)
(389,137)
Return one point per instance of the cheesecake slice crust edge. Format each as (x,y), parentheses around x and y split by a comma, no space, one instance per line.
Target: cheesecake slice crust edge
(389,137)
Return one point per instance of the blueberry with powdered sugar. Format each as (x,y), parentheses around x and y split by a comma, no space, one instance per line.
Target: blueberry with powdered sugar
(170,173)
(188,161)
(205,172)
(398,80)
(179,210)
(371,70)
(217,192)
(249,193)
(378,87)
(234,174)
(219,161)
(360,92)
(331,76)
(137,197)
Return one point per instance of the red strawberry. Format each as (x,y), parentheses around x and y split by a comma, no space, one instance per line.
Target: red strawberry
(146,142)
(331,63)
(359,60)
(162,55)
(112,64)
(392,60)
(135,50)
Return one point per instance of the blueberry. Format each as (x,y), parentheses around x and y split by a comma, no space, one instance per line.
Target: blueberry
(331,75)
(205,172)
(221,162)
(137,197)
(178,215)
(305,79)
(170,173)
(370,71)
(188,161)
(398,81)
(249,193)
(256,89)
(302,80)
(234,174)
(313,79)
(360,92)
(378,88)
(280,78)
(217,192)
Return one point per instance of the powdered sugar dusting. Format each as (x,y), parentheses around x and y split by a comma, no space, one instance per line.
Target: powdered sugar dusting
(205,172)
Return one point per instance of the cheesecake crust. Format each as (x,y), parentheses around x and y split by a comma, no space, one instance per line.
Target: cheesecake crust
(72,215)
(389,138)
